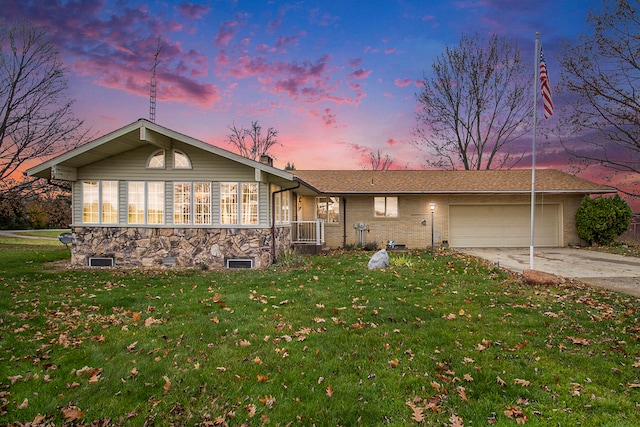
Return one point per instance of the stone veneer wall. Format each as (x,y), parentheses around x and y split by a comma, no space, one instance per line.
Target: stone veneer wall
(147,247)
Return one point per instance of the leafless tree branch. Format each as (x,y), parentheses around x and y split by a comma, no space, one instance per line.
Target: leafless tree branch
(474,106)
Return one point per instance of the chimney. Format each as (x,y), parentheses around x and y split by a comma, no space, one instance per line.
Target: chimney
(266,160)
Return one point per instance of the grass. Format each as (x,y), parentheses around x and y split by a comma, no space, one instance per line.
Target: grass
(43,233)
(437,337)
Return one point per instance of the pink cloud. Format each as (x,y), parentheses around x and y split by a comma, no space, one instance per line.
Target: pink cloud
(193,11)
(428,18)
(360,74)
(355,62)
(326,115)
(389,50)
(403,82)
(116,49)
(360,150)
(171,86)
(226,32)
(391,142)
(290,40)
(323,20)
(309,81)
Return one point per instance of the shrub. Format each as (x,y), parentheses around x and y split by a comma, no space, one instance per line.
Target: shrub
(402,260)
(603,219)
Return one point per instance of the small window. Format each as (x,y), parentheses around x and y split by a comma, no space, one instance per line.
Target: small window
(328,208)
(156,161)
(386,207)
(282,205)
(180,160)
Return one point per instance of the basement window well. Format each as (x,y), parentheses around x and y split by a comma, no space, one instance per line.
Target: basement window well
(101,262)
(239,263)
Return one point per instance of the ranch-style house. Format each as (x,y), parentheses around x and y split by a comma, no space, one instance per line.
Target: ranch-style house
(145,195)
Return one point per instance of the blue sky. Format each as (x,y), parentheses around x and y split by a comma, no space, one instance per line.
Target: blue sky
(337,79)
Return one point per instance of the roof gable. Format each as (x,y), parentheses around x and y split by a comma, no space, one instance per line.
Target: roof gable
(134,136)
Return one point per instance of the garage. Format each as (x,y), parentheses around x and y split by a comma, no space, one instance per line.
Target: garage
(503,225)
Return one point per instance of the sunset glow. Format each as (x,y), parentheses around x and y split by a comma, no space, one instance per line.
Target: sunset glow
(337,80)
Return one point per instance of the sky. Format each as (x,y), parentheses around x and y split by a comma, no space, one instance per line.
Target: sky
(336,79)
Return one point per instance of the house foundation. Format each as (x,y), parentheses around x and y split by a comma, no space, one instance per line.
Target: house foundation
(185,247)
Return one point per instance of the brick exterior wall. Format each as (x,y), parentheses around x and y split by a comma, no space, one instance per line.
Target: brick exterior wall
(412,227)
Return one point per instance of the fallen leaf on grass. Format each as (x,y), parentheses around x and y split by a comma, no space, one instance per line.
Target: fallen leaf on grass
(167,383)
(251,409)
(329,390)
(95,376)
(24,404)
(456,421)
(72,414)
(262,378)
(579,341)
(39,419)
(515,413)
(417,413)
(523,383)
(462,393)
(98,338)
(268,401)
(15,378)
(501,382)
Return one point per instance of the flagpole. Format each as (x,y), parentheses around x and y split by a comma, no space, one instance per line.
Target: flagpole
(533,149)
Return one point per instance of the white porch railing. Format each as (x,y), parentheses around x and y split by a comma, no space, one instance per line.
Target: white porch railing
(308,232)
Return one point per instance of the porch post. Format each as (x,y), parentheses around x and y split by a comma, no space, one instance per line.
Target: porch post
(318,231)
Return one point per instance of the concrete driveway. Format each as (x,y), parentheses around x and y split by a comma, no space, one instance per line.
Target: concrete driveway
(615,272)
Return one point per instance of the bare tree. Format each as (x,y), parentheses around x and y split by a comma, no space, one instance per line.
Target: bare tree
(378,162)
(599,78)
(251,142)
(475,105)
(36,120)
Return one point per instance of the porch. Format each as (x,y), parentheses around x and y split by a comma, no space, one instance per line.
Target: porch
(308,236)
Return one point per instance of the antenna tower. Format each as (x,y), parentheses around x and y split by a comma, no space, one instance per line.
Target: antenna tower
(152,97)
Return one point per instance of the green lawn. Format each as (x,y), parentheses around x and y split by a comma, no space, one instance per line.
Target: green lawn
(437,339)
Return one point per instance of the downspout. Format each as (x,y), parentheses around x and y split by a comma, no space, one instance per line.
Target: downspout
(344,222)
(273,220)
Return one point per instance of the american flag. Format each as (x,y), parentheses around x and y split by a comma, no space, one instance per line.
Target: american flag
(544,87)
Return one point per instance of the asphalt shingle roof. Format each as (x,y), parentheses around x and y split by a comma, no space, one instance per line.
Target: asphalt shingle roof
(438,181)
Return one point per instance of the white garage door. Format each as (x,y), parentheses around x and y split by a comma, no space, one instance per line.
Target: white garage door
(503,226)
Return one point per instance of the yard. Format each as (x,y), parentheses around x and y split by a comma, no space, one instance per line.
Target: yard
(436,339)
